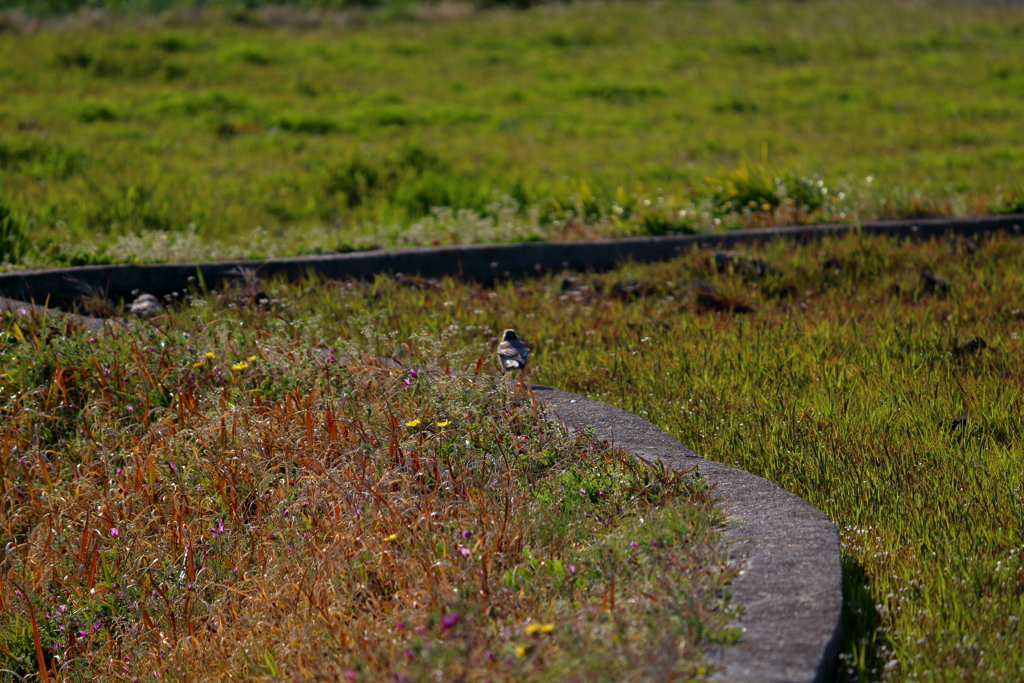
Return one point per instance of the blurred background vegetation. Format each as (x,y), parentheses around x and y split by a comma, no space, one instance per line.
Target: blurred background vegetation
(162,130)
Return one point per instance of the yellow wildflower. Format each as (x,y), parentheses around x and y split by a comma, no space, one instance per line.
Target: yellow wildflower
(392,537)
(521,651)
(444,424)
(252,358)
(210,355)
(531,629)
(239,366)
(199,364)
(547,628)
(413,423)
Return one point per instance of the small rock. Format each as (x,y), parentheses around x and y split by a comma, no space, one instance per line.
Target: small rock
(971,347)
(632,289)
(708,297)
(953,424)
(747,266)
(933,284)
(145,304)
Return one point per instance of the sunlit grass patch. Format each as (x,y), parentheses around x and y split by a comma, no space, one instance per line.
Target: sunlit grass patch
(227,491)
(274,137)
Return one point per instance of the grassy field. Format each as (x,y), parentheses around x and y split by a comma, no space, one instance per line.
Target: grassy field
(270,132)
(879,379)
(887,397)
(217,496)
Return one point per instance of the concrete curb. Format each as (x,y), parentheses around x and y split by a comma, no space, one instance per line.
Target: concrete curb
(790,585)
(483,262)
(22,308)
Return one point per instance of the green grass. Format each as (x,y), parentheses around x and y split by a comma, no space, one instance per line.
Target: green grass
(558,122)
(218,495)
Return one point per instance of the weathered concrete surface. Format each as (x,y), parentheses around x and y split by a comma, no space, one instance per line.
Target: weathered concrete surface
(481,262)
(788,552)
(16,307)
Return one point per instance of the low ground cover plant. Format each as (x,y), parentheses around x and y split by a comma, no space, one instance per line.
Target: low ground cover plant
(191,135)
(878,378)
(225,491)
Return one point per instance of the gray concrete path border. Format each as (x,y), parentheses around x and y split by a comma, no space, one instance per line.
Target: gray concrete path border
(788,551)
(15,307)
(480,262)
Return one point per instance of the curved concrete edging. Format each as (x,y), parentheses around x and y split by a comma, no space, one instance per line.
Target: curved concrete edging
(481,262)
(790,583)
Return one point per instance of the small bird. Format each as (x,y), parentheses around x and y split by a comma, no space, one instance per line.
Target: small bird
(512,352)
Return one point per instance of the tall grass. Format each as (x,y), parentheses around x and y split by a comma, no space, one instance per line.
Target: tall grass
(224,492)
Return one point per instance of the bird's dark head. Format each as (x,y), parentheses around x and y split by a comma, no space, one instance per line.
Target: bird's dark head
(510,335)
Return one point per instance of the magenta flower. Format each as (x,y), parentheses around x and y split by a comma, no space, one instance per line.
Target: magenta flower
(113,531)
(449,620)
(464,551)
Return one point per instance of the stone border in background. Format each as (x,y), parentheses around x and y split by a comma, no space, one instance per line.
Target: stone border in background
(790,585)
(480,262)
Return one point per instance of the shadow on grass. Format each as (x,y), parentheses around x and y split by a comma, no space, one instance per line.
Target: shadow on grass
(864,649)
